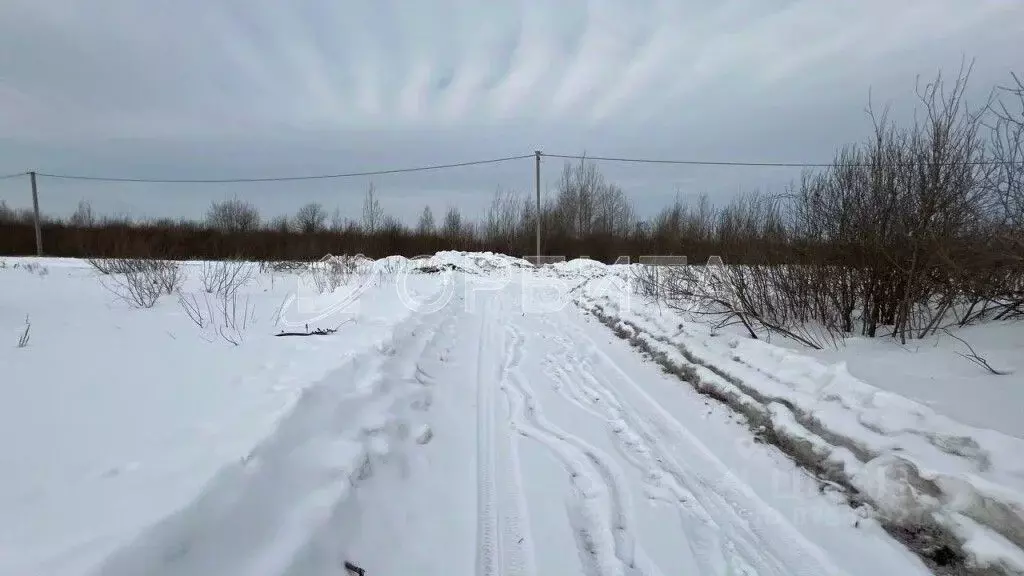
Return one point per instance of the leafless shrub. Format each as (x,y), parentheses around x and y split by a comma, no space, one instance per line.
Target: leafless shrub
(235,319)
(707,292)
(283,266)
(107,266)
(140,282)
(169,275)
(225,277)
(32,268)
(650,277)
(646,281)
(24,338)
(101,265)
(901,236)
(323,278)
(220,315)
(137,287)
(390,266)
(331,272)
(768,293)
(199,314)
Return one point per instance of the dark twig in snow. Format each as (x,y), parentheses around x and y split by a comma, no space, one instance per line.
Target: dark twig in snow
(974,357)
(23,340)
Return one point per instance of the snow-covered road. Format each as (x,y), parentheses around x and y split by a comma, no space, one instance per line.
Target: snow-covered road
(486,440)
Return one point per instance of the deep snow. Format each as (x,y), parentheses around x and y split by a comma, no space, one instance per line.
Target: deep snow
(468,420)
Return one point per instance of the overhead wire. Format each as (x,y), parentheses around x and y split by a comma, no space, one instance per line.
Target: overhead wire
(282,178)
(749,164)
(430,167)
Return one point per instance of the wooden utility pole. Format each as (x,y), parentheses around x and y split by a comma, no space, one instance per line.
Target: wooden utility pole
(538,184)
(35,210)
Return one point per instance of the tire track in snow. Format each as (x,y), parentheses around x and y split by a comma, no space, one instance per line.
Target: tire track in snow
(605,540)
(518,542)
(700,529)
(488,559)
(760,532)
(504,545)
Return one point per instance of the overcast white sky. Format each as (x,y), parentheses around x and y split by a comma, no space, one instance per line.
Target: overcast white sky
(254,88)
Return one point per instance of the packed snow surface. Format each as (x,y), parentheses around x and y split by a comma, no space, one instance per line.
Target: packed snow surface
(470,415)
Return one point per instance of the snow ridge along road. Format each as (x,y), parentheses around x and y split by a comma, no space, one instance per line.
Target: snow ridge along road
(485,440)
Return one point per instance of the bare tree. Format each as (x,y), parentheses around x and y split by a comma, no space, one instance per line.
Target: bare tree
(83,216)
(392,227)
(280,224)
(453,226)
(311,218)
(613,213)
(503,217)
(337,221)
(233,215)
(425,225)
(578,188)
(373,214)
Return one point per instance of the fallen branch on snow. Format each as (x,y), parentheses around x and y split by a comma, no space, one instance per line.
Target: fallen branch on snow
(23,340)
(314,332)
(974,356)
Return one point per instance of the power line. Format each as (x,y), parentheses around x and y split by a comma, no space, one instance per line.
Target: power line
(463,164)
(749,164)
(284,178)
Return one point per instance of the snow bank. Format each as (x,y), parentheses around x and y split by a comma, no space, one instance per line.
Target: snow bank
(914,464)
(932,372)
(480,263)
(113,417)
(579,265)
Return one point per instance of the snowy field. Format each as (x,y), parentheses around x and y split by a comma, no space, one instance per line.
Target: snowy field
(470,415)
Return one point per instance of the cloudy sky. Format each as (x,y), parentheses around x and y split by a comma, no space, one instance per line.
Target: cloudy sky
(261,88)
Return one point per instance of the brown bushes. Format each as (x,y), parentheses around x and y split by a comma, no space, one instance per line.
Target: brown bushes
(915,230)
